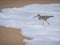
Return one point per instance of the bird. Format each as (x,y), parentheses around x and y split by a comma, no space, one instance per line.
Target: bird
(44,18)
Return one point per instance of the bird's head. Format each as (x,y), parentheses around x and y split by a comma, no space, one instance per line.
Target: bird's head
(38,14)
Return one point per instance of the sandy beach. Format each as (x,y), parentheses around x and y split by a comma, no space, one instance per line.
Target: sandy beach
(12,36)
(21,3)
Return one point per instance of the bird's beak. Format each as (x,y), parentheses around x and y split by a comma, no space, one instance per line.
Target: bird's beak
(34,16)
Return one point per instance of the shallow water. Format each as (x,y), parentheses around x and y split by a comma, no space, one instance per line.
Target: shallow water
(23,18)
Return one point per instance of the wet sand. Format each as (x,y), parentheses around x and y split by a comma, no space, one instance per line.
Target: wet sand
(12,36)
(20,3)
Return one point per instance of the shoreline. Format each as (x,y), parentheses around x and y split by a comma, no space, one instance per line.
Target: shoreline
(21,3)
(12,36)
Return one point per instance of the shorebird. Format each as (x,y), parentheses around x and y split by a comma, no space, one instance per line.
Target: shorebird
(43,18)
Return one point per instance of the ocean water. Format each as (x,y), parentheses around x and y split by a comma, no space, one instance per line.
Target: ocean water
(22,17)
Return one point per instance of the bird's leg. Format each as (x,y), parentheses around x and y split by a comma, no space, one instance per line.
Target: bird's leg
(47,22)
(42,22)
